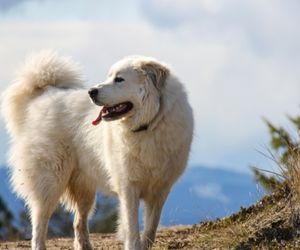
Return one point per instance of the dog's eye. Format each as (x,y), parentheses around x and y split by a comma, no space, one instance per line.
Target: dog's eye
(119,79)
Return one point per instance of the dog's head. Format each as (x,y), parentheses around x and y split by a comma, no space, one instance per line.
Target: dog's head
(132,91)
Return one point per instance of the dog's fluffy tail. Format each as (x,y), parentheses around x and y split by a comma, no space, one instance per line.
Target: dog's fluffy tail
(40,71)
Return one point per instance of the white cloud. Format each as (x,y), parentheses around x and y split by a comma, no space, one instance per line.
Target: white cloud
(211,191)
(268,26)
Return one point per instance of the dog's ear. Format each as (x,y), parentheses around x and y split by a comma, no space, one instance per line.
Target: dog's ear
(157,73)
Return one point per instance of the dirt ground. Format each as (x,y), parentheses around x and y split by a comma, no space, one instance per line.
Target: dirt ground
(171,238)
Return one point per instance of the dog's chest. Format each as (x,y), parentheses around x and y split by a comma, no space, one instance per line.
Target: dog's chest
(141,157)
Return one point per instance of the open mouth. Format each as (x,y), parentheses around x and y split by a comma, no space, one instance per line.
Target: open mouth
(113,112)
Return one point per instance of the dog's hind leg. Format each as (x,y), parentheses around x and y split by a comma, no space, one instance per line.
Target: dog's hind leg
(40,215)
(152,210)
(81,192)
(43,200)
(40,180)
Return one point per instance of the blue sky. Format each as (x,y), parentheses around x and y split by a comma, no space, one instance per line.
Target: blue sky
(239,59)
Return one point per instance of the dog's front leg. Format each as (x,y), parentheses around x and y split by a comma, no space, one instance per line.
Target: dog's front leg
(153,205)
(128,224)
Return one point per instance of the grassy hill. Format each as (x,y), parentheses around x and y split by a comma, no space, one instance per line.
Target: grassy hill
(272,223)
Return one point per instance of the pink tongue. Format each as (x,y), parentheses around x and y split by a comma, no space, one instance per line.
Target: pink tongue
(98,119)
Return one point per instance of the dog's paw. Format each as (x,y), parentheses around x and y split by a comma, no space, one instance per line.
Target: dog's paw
(85,245)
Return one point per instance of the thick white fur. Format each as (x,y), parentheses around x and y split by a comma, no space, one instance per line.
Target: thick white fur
(57,155)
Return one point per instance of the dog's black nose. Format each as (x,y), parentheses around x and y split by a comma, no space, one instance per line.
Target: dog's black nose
(93,92)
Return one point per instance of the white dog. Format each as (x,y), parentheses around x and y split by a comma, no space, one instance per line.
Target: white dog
(137,152)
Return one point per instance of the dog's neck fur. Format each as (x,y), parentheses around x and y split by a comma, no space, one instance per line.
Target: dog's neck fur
(166,100)
(152,124)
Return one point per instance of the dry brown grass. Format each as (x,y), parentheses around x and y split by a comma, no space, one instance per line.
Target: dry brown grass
(291,172)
